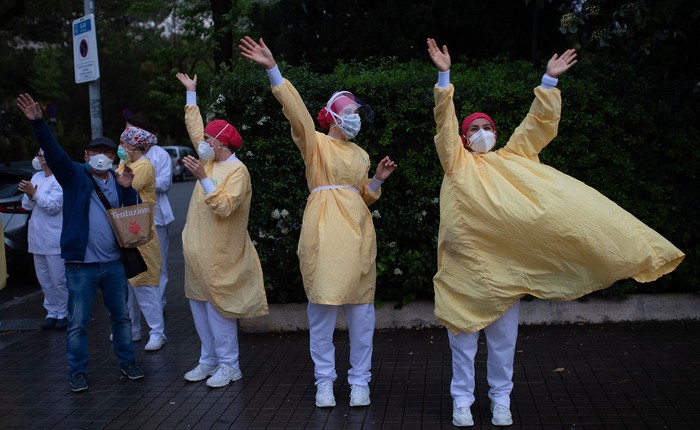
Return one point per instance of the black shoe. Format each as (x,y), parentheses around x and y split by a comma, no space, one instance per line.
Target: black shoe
(61,324)
(132,371)
(48,323)
(79,383)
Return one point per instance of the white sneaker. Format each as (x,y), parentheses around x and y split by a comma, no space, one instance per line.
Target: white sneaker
(223,376)
(359,395)
(134,337)
(155,343)
(324,394)
(501,415)
(461,416)
(202,371)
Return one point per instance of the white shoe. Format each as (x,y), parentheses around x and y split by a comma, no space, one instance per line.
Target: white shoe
(223,376)
(461,416)
(324,394)
(134,337)
(155,343)
(359,395)
(202,371)
(501,415)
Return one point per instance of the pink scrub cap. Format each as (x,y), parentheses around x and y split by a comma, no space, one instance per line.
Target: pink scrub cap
(468,120)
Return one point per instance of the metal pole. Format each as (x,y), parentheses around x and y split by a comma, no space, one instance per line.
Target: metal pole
(94,89)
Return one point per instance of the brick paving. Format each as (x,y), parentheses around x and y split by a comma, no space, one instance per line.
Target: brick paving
(608,376)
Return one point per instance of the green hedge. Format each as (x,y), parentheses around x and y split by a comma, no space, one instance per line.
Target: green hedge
(616,134)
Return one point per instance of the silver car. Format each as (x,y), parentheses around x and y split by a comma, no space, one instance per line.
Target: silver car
(177,153)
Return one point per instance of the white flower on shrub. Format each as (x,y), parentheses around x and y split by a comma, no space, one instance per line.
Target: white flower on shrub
(436,200)
(275,214)
(220,99)
(392,244)
(263,120)
(398,271)
(244,127)
(423,213)
(284,230)
(261,234)
(255,243)
(284,213)
(249,153)
(375,214)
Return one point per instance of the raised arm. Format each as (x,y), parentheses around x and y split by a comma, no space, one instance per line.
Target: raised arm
(560,64)
(257,52)
(190,84)
(541,124)
(440,57)
(447,140)
(193,119)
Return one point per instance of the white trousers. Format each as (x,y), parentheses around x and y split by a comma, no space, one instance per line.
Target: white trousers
(51,274)
(146,300)
(360,321)
(501,336)
(164,242)
(218,334)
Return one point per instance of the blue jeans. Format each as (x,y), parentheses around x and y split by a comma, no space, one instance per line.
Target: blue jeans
(82,280)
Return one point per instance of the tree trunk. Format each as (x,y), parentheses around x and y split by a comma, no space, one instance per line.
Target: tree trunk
(223,34)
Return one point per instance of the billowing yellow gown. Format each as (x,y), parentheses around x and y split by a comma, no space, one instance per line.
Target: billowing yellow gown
(221,263)
(511,226)
(337,246)
(144,183)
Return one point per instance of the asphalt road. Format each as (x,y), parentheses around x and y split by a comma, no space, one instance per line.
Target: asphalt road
(25,284)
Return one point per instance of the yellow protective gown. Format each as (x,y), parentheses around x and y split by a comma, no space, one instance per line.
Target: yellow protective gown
(510,226)
(221,263)
(337,245)
(145,184)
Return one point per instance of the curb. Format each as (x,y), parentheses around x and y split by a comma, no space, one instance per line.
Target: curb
(420,315)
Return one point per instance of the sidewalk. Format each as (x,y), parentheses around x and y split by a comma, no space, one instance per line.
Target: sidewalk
(601,376)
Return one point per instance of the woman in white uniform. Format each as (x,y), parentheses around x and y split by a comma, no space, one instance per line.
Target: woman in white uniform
(44,197)
(337,246)
(511,226)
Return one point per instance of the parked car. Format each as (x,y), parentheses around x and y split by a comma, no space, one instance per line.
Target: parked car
(15,219)
(177,153)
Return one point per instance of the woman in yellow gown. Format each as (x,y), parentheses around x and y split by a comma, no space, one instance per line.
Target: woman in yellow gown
(337,246)
(511,226)
(143,288)
(223,276)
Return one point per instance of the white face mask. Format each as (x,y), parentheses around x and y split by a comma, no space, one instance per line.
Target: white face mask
(205,151)
(36,164)
(100,163)
(349,124)
(482,141)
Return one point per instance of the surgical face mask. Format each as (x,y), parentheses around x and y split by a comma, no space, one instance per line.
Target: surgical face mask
(122,153)
(36,164)
(205,151)
(482,141)
(100,162)
(349,124)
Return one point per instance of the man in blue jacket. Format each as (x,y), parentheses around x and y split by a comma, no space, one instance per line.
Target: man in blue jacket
(88,245)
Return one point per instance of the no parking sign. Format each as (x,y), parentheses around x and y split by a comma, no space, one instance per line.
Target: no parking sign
(85,61)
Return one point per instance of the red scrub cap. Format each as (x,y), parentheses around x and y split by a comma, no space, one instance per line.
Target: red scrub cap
(468,120)
(225,133)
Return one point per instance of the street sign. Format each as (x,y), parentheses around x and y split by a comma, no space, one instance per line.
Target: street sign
(85,61)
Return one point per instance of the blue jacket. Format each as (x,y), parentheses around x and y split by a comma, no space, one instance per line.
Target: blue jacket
(77,189)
